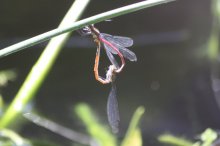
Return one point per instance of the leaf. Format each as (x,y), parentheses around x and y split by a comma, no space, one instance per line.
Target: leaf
(133,136)
(10,136)
(208,137)
(93,126)
(135,139)
(174,140)
(5,76)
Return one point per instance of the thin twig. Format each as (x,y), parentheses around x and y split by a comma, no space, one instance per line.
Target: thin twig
(60,130)
(79,24)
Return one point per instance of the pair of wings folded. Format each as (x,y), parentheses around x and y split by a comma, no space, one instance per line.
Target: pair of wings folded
(112,109)
(120,43)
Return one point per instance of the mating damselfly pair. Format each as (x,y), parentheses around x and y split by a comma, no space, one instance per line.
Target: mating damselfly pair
(113,45)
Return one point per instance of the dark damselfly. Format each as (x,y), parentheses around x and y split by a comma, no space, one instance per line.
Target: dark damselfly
(112,103)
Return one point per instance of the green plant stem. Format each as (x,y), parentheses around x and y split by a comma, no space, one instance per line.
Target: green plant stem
(17,139)
(59,129)
(213,43)
(173,140)
(135,119)
(42,67)
(79,24)
(98,131)
(208,137)
(131,135)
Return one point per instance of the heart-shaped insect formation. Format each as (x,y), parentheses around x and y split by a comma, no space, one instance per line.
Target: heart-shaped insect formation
(113,45)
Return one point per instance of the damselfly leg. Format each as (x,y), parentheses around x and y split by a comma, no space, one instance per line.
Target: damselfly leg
(110,72)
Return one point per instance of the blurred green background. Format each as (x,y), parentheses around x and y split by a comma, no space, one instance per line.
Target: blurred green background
(171,79)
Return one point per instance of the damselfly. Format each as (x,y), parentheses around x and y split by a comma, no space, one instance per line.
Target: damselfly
(113,45)
(112,103)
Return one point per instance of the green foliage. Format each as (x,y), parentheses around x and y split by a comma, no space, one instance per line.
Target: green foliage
(43,66)
(5,76)
(10,138)
(207,138)
(133,136)
(174,140)
(213,43)
(97,130)
(45,62)
(105,137)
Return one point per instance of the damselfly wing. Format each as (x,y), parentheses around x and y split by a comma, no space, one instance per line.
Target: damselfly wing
(120,43)
(112,109)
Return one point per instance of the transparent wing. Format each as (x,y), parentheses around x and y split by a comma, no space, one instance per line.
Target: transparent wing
(109,49)
(126,52)
(112,110)
(112,58)
(120,40)
(120,43)
(123,41)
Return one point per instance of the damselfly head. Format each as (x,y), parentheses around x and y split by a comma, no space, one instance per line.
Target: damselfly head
(94,30)
(84,31)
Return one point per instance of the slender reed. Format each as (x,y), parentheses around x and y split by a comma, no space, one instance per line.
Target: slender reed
(79,24)
(42,67)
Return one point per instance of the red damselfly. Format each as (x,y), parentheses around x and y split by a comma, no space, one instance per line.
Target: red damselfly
(113,45)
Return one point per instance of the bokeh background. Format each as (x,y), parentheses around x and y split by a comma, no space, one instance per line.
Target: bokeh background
(171,79)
